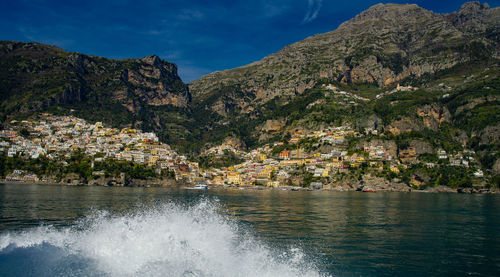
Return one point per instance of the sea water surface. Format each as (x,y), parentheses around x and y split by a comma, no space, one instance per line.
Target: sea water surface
(110,231)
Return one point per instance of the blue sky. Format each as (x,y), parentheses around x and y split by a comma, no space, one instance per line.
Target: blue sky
(199,36)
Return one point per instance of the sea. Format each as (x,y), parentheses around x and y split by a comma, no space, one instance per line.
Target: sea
(54,230)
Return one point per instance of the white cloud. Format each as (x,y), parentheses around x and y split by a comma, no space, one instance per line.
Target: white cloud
(313,8)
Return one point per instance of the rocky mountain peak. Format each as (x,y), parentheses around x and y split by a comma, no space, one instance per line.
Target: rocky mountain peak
(473,7)
(387,12)
(474,17)
(153,60)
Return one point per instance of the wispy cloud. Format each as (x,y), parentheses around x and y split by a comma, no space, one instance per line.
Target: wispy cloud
(171,55)
(154,32)
(313,8)
(190,14)
(274,8)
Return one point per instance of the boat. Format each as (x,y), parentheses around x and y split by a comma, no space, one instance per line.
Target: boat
(201,186)
(369,191)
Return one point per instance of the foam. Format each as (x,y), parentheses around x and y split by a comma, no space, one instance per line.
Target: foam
(167,240)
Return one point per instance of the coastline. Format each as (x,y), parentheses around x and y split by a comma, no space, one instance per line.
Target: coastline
(335,189)
(173,183)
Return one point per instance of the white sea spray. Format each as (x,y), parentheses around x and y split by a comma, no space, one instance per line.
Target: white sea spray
(167,240)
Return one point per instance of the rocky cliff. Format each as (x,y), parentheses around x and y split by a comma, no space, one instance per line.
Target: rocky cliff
(36,77)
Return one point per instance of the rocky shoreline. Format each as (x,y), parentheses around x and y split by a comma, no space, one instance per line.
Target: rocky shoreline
(102,183)
(374,183)
(341,187)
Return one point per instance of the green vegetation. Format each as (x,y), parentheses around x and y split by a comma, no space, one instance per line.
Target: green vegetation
(41,166)
(219,161)
(79,164)
(481,104)
(442,175)
(400,104)
(113,168)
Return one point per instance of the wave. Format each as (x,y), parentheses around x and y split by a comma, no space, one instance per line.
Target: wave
(167,240)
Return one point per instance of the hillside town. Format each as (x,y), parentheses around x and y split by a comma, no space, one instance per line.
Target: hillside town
(327,159)
(57,137)
(313,160)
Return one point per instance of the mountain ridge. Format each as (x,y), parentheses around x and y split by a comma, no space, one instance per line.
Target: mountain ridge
(80,76)
(367,48)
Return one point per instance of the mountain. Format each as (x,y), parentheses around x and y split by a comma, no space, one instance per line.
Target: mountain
(410,74)
(383,46)
(414,77)
(142,93)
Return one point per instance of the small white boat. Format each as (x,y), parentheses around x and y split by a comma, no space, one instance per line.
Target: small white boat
(201,186)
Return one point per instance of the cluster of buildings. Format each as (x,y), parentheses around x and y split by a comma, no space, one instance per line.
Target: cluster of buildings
(56,137)
(335,90)
(465,159)
(222,149)
(21,175)
(397,89)
(263,168)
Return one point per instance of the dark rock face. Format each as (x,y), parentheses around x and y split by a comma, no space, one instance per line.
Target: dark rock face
(496,166)
(421,147)
(235,142)
(433,115)
(490,135)
(163,85)
(404,125)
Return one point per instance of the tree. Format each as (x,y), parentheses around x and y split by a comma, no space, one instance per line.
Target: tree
(24,132)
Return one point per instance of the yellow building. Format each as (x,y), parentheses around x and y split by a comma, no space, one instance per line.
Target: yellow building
(325,173)
(234,177)
(273,184)
(152,160)
(394,169)
(359,159)
(269,168)
(293,162)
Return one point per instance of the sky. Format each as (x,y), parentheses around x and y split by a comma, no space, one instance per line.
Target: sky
(200,36)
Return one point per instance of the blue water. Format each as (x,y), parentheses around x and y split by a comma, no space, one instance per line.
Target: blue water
(105,231)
